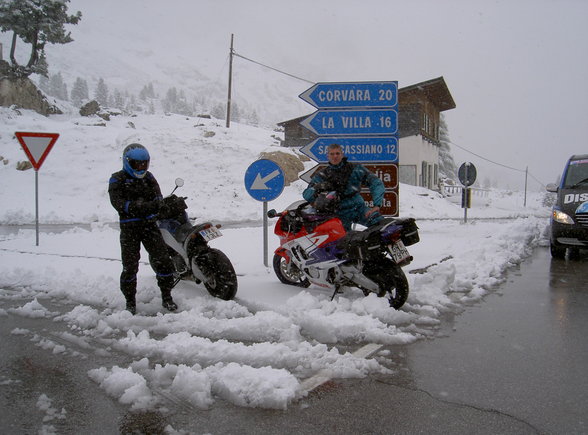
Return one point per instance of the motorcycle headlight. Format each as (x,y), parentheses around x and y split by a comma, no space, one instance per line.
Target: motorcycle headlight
(561,217)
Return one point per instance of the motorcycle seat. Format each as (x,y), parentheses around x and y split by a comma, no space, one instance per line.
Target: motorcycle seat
(183,231)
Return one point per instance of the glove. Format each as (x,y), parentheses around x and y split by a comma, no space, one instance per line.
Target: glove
(164,210)
(323,186)
(150,207)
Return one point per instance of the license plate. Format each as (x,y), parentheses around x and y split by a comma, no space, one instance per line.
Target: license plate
(399,252)
(210,233)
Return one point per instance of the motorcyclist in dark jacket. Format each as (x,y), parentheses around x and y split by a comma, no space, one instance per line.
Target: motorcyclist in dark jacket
(346,179)
(136,196)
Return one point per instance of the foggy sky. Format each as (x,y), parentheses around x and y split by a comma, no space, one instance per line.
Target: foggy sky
(516,69)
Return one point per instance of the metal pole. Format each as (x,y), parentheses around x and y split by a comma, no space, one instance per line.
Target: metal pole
(265,233)
(37,206)
(465,204)
(465,194)
(230,83)
(526,174)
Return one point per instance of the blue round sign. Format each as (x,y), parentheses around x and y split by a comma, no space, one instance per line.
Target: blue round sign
(264,180)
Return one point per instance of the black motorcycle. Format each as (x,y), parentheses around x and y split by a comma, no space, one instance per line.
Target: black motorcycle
(188,247)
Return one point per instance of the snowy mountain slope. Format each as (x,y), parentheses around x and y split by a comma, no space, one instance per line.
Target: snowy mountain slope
(211,158)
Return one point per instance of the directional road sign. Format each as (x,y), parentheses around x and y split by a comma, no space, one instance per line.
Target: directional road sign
(387,172)
(389,204)
(333,95)
(36,146)
(352,122)
(356,149)
(264,180)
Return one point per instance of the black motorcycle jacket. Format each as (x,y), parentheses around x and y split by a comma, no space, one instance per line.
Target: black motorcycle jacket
(137,200)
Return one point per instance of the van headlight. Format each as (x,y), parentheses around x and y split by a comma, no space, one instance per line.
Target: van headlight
(561,217)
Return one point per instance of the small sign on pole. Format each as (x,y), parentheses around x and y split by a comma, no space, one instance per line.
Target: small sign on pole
(36,146)
(264,181)
(467,176)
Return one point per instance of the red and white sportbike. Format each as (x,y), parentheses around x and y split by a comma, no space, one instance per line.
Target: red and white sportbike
(315,248)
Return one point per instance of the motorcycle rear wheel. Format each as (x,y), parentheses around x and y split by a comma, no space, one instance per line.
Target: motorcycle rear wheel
(291,277)
(392,281)
(222,279)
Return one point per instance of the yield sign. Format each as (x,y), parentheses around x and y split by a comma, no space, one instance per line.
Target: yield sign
(36,146)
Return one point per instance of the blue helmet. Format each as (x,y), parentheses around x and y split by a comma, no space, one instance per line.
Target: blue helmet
(136,160)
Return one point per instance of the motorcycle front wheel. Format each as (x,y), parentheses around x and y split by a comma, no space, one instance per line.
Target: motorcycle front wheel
(291,277)
(221,277)
(392,281)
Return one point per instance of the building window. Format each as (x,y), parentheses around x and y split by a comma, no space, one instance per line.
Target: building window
(424,174)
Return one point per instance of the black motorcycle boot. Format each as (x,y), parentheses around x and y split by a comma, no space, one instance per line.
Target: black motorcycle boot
(167,302)
(129,293)
(132,306)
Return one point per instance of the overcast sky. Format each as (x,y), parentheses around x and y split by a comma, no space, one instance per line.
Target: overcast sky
(517,69)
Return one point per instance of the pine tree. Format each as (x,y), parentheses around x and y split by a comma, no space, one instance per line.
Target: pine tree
(170,101)
(147,92)
(35,22)
(101,93)
(57,88)
(236,112)
(118,101)
(219,111)
(447,167)
(79,92)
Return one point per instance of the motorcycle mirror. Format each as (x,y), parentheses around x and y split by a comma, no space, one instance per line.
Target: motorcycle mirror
(272,213)
(179,183)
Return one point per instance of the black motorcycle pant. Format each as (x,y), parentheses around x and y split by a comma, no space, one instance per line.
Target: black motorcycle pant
(130,244)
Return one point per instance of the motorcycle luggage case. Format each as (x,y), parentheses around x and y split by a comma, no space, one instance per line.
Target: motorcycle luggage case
(360,244)
(410,231)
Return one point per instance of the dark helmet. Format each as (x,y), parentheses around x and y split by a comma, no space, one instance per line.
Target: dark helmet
(136,160)
(327,202)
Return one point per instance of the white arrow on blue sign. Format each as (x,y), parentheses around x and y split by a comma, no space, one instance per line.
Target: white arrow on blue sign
(352,122)
(356,149)
(264,180)
(358,94)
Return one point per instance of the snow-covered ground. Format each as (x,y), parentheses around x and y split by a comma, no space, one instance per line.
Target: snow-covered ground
(259,349)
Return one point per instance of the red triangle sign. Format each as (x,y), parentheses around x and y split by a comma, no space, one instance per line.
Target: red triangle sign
(36,146)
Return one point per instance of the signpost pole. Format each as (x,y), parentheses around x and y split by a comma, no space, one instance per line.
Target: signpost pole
(465,204)
(37,207)
(265,238)
(465,195)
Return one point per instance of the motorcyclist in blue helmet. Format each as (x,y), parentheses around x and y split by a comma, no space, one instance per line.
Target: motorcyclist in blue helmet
(136,196)
(136,160)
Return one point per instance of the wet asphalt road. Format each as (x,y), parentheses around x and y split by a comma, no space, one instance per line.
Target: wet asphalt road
(515,363)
